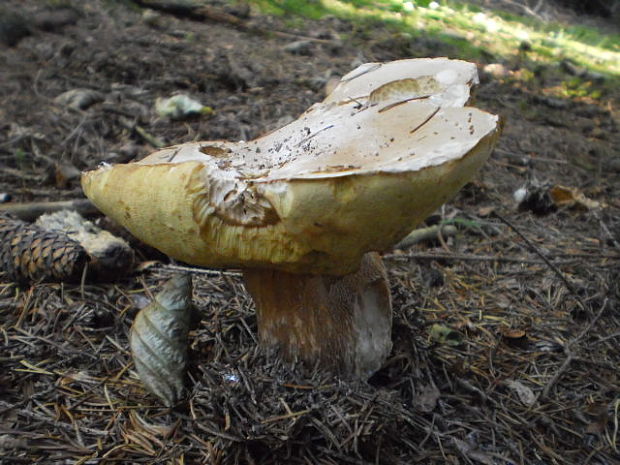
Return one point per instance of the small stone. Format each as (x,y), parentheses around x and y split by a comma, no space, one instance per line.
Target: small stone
(80,99)
(152,18)
(300,47)
(496,70)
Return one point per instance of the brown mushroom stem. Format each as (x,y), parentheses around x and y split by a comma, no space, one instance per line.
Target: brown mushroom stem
(338,323)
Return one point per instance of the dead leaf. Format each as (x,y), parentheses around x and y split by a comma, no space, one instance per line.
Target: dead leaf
(572,197)
(427,398)
(158,340)
(445,335)
(525,394)
(598,413)
(512,333)
(485,211)
(66,173)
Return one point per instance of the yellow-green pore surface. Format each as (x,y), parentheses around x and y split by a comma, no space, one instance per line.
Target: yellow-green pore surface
(347,177)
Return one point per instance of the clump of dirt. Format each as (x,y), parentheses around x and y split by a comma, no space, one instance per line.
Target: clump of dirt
(531,372)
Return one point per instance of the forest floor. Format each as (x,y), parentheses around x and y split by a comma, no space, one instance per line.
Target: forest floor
(530,295)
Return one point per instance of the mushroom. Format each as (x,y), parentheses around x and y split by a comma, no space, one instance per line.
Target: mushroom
(304,210)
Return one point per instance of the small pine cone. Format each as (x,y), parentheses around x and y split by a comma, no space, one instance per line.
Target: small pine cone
(29,253)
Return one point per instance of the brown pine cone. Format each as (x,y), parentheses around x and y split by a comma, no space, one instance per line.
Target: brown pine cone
(29,253)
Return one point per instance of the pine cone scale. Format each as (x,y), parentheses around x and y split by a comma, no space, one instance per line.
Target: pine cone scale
(30,253)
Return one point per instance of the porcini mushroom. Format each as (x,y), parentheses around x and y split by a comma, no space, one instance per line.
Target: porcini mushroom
(303,210)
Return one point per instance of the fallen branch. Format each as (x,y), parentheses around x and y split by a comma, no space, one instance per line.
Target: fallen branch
(467,257)
(204,271)
(201,12)
(29,211)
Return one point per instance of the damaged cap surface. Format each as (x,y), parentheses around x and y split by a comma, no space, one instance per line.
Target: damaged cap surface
(352,174)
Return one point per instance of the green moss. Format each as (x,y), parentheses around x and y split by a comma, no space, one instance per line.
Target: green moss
(578,87)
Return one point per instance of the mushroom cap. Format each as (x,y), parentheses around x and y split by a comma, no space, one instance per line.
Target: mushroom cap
(354,173)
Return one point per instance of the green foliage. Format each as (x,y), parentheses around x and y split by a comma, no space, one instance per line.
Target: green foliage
(474,33)
(577,87)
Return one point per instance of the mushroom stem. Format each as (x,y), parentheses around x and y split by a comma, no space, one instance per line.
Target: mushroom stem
(342,324)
